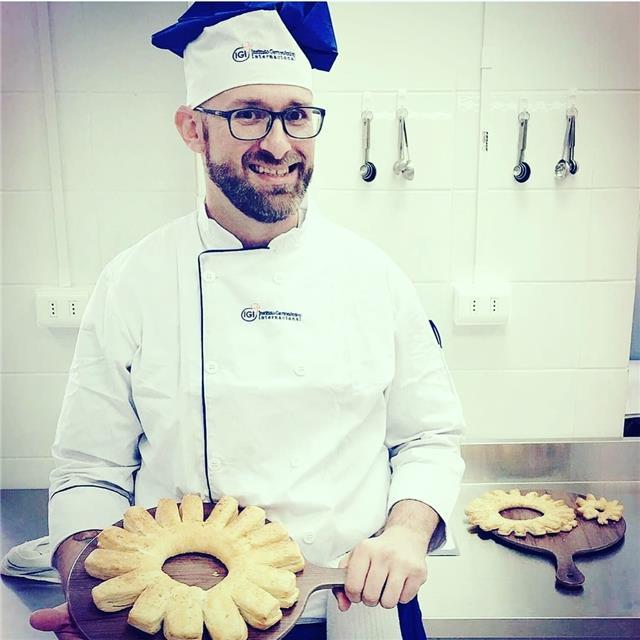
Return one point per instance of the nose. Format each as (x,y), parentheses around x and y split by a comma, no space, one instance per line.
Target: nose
(276,142)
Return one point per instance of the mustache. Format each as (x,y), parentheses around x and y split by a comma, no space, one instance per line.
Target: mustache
(264,157)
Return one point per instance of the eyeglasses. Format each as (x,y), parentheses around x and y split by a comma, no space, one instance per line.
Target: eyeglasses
(252,123)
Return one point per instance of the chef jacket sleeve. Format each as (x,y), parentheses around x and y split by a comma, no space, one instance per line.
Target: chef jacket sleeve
(96,444)
(424,416)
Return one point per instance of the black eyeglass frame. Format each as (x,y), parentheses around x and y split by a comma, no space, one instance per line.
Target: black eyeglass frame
(272,115)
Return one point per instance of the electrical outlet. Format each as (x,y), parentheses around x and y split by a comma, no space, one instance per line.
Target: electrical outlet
(62,307)
(482,304)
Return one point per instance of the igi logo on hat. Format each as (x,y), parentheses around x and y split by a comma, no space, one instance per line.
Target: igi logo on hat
(241,54)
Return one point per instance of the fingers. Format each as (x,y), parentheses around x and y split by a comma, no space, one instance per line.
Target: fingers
(357,571)
(374,583)
(393,590)
(56,619)
(343,602)
(413,583)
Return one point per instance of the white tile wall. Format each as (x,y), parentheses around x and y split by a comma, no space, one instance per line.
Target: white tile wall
(20,58)
(26,347)
(28,238)
(541,333)
(613,234)
(26,473)
(515,405)
(83,239)
(605,330)
(614,138)
(25,157)
(29,429)
(105,47)
(134,144)
(534,236)
(558,369)
(415,45)
(123,217)
(600,401)
(388,218)
(589,45)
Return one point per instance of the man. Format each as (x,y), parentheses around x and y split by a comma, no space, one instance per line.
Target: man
(254,349)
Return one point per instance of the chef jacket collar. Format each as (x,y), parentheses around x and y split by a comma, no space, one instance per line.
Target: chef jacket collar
(215,236)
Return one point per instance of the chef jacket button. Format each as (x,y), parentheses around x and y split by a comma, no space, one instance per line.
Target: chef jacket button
(211,367)
(209,276)
(216,464)
(300,370)
(278,278)
(294,462)
(309,537)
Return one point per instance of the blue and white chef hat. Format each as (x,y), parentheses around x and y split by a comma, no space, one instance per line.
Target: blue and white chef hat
(232,44)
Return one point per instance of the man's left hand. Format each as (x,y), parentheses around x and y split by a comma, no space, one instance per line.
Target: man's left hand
(385,570)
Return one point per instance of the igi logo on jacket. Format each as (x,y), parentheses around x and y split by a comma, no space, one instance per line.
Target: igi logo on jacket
(253,313)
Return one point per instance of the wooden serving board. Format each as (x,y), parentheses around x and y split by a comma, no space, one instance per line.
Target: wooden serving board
(193,569)
(587,537)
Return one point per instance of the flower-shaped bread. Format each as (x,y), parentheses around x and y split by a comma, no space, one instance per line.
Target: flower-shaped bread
(260,559)
(603,509)
(485,512)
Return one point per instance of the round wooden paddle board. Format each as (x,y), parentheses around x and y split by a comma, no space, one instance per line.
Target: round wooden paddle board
(192,569)
(587,537)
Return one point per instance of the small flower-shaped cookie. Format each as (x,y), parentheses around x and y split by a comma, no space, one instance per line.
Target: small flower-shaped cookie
(603,509)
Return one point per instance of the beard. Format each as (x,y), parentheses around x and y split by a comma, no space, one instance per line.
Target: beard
(270,204)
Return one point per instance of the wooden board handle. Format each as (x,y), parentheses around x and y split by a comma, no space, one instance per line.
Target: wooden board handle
(328,578)
(567,574)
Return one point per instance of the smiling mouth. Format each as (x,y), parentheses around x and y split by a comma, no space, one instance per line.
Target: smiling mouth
(274,172)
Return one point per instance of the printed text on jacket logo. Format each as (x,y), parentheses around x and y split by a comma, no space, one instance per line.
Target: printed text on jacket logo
(252,313)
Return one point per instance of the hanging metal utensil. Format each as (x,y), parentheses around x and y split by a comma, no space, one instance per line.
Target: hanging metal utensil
(562,167)
(403,165)
(522,171)
(573,165)
(367,169)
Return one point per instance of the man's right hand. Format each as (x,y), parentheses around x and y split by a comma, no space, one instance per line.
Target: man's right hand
(57,620)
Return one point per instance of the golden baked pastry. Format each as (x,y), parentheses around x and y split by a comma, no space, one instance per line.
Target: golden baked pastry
(260,558)
(485,512)
(601,508)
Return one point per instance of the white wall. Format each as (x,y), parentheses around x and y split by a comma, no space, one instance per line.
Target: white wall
(558,369)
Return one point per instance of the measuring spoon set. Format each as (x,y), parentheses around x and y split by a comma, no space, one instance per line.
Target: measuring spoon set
(402,166)
(567,164)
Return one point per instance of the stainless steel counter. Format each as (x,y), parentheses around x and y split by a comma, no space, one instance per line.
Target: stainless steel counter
(488,590)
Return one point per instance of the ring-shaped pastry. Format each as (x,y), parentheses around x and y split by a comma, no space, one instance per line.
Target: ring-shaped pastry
(601,508)
(260,558)
(485,513)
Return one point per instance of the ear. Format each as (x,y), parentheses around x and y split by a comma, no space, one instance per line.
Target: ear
(189,126)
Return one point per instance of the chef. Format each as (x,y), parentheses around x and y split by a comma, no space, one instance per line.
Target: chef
(253,348)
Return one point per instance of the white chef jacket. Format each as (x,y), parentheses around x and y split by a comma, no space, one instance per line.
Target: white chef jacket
(302,377)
